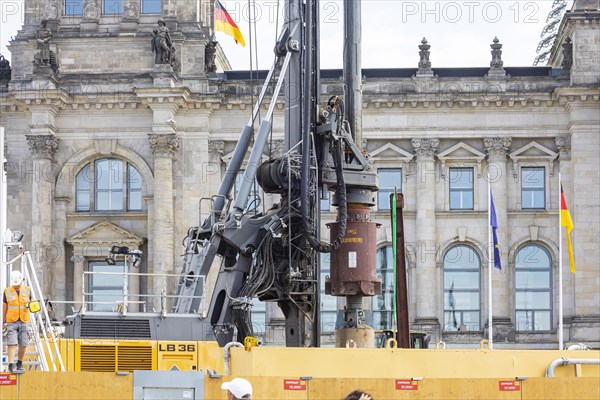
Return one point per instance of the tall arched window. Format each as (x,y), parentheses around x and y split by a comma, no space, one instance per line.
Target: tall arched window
(382,305)
(108,184)
(462,303)
(533,283)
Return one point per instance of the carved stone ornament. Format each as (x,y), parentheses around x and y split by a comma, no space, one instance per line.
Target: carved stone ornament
(5,70)
(51,11)
(567,50)
(78,259)
(497,147)
(277,150)
(91,10)
(163,145)
(216,149)
(424,62)
(210,52)
(496,54)
(425,149)
(42,146)
(130,11)
(562,143)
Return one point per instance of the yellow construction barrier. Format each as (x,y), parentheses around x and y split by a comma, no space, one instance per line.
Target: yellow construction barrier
(105,386)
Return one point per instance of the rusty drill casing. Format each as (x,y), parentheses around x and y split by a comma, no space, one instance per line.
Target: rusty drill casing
(353,266)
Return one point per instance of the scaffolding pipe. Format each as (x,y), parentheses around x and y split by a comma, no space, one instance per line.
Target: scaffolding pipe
(569,361)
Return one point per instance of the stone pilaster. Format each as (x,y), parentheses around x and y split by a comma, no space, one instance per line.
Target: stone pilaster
(427,278)
(163,148)
(78,261)
(43,148)
(59,269)
(497,151)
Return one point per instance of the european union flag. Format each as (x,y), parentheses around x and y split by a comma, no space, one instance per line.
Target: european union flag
(494,224)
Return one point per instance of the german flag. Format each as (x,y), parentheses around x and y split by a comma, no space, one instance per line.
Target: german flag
(224,23)
(567,222)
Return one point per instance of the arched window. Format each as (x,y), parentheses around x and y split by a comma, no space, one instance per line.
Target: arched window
(108,184)
(533,283)
(462,303)
(382,306)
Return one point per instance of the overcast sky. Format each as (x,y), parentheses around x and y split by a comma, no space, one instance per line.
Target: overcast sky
(460,32)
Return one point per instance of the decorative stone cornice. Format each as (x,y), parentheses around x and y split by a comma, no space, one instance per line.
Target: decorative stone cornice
(425,149)
(163,145)
(497,147)
(216,149)
(42,146)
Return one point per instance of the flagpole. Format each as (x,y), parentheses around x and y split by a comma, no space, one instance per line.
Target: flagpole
(490,260)
(560,267)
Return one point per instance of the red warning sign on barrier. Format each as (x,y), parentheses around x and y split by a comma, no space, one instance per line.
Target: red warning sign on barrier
(294,384)
(509,386)
(8,379)
(407,384)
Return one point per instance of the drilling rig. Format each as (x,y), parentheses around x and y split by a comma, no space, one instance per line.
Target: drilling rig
(274,255)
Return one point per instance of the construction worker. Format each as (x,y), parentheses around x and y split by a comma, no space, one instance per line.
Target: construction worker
(16,316)
(238,389)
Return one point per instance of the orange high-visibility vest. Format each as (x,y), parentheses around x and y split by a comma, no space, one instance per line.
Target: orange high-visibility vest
(17,304)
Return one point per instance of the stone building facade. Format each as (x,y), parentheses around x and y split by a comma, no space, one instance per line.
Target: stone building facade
(86,102)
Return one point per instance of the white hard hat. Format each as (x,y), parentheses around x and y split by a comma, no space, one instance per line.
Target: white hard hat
(16,277)
(239,387)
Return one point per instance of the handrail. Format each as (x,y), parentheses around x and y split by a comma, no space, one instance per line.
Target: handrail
(125,301)
(569,361)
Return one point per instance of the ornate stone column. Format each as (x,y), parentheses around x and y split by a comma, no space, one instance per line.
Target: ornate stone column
(504,329)
(163,147)
(43,148)
(427,276)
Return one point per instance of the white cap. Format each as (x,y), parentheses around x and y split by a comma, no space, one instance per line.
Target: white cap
(239,387)
(16,278)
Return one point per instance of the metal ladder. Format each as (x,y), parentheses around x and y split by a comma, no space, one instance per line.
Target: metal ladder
(46,355)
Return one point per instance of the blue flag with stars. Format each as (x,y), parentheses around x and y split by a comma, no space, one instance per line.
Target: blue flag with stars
(494,224)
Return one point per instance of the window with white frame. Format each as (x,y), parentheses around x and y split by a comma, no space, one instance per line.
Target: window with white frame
(108,184)
(533,188)
(461,188)
(533,286)
(389,178)
(105,288)
(328,302)
(462,298)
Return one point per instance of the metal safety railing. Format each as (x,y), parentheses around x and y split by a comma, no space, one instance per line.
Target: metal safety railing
(127,297)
